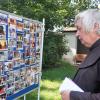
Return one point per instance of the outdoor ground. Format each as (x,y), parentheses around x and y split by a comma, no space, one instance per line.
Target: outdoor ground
(51,80)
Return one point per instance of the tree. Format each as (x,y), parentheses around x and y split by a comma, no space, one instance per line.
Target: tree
(54,49)
(56,13)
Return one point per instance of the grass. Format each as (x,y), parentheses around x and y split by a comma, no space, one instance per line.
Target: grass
(51,80)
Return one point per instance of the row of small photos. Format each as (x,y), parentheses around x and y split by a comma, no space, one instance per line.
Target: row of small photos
(18,40)
(18,23)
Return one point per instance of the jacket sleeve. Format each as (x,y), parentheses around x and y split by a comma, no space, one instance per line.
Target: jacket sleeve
(74,95)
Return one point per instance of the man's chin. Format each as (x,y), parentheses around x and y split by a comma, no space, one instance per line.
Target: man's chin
(83,43)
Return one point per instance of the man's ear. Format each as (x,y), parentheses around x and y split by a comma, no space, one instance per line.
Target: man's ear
(98,32)
(97,28)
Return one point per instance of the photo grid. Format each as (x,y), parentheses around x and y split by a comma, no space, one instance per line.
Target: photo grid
(20,45)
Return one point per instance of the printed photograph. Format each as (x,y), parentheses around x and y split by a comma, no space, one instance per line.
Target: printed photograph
(21,61)
(3,19)
(28,71)
(26,42)
(18,62)
(35,27)
(2,31)
(2,92)
(3,44)
(17,54)
(26,34)
(32,52)
(11,21)
(19,45)
(1,68)
(38,42)
(32,43)
(9,66)
(38,49)
(19,26)
(22,84)
(12,32)
(26,37)
(32,35)
(35,69)
(11,42)
(27,52)
(39,27)
(3,96)
(23,77)
(2,80)
(36,79)
(3,55)
(9,84)
(27,61)
(26,24)
(32,27)
(39,34)
(10,91)
(37,57)
(10,54)
(22,71)
(17,86)
(32,60)
(28,80)
(19,37)
(17,75)
(10,75)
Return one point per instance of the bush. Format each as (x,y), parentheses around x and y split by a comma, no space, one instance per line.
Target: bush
(54,48)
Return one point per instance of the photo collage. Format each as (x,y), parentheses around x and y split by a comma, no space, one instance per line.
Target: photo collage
(20,45)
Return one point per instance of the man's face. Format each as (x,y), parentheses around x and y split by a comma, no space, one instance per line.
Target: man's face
(81,34)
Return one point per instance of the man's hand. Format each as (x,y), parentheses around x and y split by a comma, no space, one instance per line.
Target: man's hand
(65,95)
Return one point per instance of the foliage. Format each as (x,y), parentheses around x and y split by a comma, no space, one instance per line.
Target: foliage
(52,10)
(74,8)
(55,47)
(56,13)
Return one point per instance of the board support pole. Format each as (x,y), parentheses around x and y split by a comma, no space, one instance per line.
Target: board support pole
(41,54)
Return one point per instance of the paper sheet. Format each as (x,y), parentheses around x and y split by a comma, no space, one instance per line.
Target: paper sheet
(69,85)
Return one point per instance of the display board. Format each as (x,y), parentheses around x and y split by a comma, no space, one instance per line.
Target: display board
(21,42)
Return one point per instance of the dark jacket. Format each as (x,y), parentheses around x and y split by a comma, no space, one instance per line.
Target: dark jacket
(88,76)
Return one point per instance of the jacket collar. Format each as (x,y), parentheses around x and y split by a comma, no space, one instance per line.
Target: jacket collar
(93,55)
(96,44)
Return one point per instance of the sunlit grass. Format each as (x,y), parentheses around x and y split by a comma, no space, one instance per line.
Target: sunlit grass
(50,82)
(49,90)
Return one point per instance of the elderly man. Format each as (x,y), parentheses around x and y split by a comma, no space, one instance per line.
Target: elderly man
(88,74)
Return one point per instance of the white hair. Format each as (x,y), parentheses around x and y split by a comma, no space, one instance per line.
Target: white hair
(89,18)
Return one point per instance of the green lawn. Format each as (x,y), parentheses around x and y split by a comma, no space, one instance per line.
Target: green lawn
(51,80)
